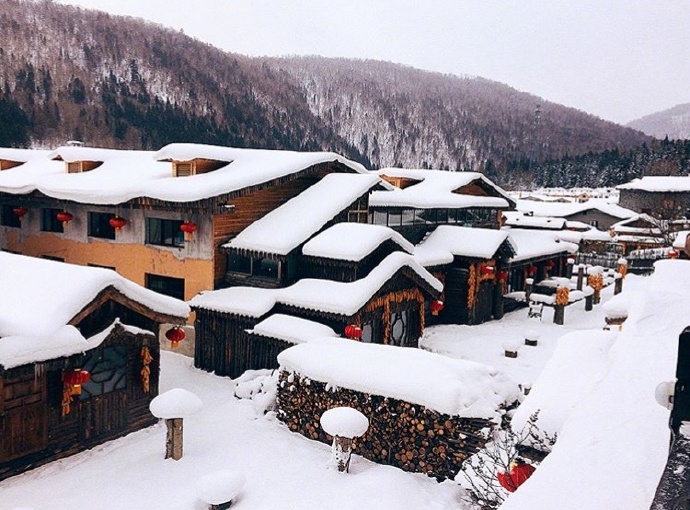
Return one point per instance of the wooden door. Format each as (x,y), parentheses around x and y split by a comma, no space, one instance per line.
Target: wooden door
(23,423)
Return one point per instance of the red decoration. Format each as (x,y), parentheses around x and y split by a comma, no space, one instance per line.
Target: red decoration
(188,227)
(175,334)
(436,306)
(503,276)
(353,331)
(519,473)
(488,270)
(117,222)
(550,264)
(64,217)
(20,212)
(531,270)
(673,254)
(75,378)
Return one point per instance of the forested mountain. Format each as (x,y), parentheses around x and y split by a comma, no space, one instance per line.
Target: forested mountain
(68,73)
(612,167)
(673,123)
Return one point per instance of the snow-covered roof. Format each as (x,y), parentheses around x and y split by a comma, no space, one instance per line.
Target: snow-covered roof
(353,241)
(565,210)
(517,219)
(623,227)
(125,175)
(292,329)
(658,184)
(29,313)
(538,243)
(448,241)
(437,189)
(343,298)
(451,386)
(286,227)
(23,155)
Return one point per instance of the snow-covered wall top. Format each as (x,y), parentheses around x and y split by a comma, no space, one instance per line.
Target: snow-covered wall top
(537,243)
(563,210)
(125,175)
(41,296)
(436,189)
(23,155)
(343,298)
(286,227)
(658,184)
(518,219)
(353,241)
(451,386)
(448,241)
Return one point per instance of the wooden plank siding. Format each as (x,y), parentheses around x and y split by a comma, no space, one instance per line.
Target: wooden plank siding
(91,421)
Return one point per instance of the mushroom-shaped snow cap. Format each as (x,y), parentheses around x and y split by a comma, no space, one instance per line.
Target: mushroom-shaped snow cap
(219,487)
(344,422)
(175,403)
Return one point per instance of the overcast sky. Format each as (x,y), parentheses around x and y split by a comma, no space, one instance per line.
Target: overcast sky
(617,59)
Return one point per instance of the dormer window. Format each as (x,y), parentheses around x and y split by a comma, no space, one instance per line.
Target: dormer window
(76,167)
(6,164)
(196,166)
(400,182)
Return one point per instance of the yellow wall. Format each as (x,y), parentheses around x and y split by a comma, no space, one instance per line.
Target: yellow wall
(130,260)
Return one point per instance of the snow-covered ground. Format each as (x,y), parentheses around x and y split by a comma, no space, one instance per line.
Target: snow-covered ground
(612,442)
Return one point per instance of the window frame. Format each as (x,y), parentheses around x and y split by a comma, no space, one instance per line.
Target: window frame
(99,225)
(164,232)
(166,285)
(49,221)
(8,218)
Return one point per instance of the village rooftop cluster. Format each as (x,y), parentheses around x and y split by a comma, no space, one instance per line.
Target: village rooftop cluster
(238,255)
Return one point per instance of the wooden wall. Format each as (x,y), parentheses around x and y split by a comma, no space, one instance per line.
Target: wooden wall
(47,435)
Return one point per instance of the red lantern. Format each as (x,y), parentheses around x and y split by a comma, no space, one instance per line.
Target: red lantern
(436,306)
(20,212)
(64,217)
(353,331)
(188,227)
(673,254)
(117,222)
(175,334)
(75,378)
(519,473)
(488,270)
(550,264)
(503,276)
(531,270)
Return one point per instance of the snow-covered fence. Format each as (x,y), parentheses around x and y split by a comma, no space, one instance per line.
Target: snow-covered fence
(427,413)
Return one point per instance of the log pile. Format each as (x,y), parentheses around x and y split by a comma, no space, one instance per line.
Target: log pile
(409,436)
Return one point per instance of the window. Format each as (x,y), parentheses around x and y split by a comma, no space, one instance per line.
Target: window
(99,225)
(268,268)
(108,368)
(372,331)
(594,223)
(49,221)
(167,285)
(164,232)
(8,218)
(359,212)
(379,218)
(400,323)
(239,263)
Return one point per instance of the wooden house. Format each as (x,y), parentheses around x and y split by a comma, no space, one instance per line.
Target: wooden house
(79,358)
(386,306)
(472,263)
(663,197)
(423,199)
(595,212)
(268,252)
(159,219)
(639,233)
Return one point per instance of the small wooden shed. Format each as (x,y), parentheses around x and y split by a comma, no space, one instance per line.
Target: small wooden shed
(79,358)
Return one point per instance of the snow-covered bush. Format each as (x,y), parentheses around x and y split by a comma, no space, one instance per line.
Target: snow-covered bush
(480,473)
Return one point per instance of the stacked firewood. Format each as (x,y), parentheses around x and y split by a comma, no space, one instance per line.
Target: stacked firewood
(402,434)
